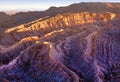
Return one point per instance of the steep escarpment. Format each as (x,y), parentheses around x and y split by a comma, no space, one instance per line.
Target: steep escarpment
(62,21)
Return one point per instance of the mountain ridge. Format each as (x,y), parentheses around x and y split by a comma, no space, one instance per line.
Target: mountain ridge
(78,7)
(43,26)
(26,17)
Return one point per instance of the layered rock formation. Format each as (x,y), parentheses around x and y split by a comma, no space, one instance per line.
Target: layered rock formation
(69,47)
(45,25)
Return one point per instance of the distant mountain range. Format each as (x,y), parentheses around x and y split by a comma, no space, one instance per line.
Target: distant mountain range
(7,21)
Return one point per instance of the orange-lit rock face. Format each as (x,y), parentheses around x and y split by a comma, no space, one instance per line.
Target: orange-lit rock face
(67,20)
(61,21)
(71,19)
(108,16)
(109,5)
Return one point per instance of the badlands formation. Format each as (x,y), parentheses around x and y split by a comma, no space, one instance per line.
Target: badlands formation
(77,43)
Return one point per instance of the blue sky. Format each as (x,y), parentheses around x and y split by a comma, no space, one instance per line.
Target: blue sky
(40,4)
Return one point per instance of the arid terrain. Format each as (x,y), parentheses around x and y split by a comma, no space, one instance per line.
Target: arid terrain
(76,43)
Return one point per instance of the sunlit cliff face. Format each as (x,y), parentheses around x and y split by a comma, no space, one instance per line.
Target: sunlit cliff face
(71,19)
(108,16)
(47,26)
(109,5)
(65,20)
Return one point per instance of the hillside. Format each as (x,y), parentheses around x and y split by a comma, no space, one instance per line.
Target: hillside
(77,43)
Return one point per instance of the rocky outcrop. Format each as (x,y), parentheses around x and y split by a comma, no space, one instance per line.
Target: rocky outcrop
(62,21)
